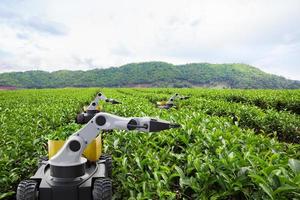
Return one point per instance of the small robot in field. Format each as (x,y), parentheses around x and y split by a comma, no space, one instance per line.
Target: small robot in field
(77,170)
(171,102)
(93,108)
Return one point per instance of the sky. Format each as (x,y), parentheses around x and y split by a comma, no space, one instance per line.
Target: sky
(86,34)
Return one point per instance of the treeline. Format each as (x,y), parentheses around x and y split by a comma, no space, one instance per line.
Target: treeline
(152,74)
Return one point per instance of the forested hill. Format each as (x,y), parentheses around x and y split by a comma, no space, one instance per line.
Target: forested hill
(152,74)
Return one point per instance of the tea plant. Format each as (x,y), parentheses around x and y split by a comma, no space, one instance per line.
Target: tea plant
(210,157)
(26,118)
(225,149)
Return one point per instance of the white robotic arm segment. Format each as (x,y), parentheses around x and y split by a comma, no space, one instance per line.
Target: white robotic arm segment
(172,99)
(93,105)
(100,96)
(176,96)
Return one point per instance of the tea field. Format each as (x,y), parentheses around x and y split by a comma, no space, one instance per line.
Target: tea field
(232,144)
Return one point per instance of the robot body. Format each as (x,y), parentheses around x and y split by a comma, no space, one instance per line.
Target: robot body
(69,176)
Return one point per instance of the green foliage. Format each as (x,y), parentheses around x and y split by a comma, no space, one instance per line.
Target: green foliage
(64,131)
(27,117)
(281,100)
(210,157)
(224,150)
(152,74)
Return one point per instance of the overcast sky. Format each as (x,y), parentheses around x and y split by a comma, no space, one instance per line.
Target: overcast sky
(86,34)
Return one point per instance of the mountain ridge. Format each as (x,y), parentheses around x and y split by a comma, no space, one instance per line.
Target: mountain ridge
(153,74)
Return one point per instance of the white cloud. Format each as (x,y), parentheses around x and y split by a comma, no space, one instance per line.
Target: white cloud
(55,34)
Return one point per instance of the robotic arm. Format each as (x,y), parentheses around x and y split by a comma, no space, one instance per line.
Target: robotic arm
(91,110)
(184,97)
(172,99)
(170,102)
(167,104)
(177,96)
(101,96)
(70,153)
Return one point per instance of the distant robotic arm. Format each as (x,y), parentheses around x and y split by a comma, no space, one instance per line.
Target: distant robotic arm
(170,102)
(184,97)
(172,99)
(177,96)
(92,109)
(100,96)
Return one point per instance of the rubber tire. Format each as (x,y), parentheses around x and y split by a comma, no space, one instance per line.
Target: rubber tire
(108,164)
(102,189)
(27,190)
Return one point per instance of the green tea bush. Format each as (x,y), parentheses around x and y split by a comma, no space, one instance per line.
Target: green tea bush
(216,154)
(26,118)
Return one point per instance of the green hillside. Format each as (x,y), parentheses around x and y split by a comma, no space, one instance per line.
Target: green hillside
(152,74)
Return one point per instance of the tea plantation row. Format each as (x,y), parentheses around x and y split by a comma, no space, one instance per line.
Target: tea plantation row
(225,149)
